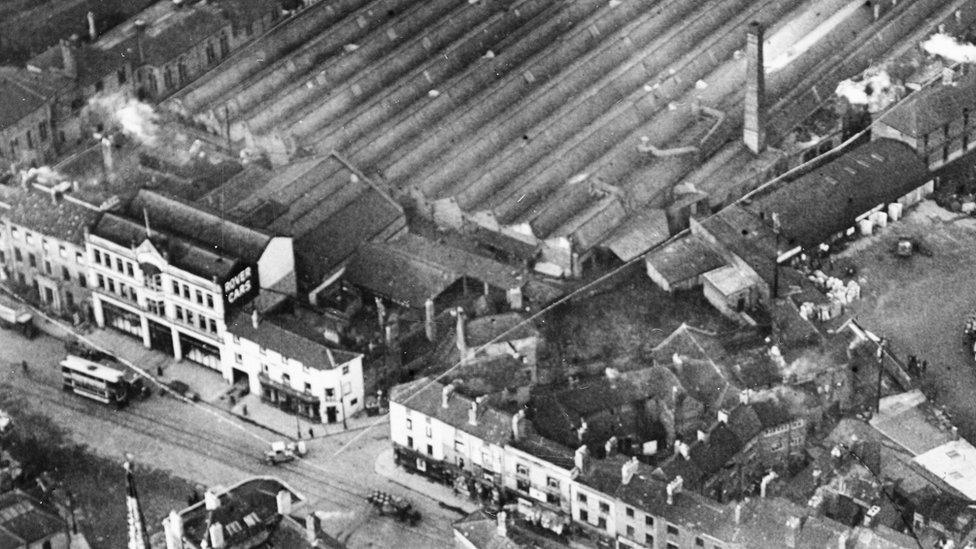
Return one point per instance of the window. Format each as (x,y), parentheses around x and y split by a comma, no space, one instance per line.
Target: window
(264,368)
(262,351)
(65,274)
(98,256)
(521,469)
(99,85)
(345,370)
(32,260)
(44,246)
(630,512)
(581,497)
(201,322)
(189,317)
(522,485)
(46,544)
(672,545)
(212,325)
(3,257)
(176,288)
(210,301)
(330,393)
(409,421)
(648,520)
(601,522)
(17,255)
(42,129)
(82,281)
(672,530)
(430,450)
(128,269)
(118,265)
(238,358)
(168,77)
(47,267)
(649,540)
(553,499)
(630,531)
(178,312)
(428,431)
(460,462)
(62,251)
(552,483)
(28,237)
(458,446)
(584,515)
(79,258)
(186,292)
(308,387)
(199,296)
(30,140)
(111,285)
(285,378)
(211,54)
(409,442)
(13,232)
(101,282)
(604,507)
(236,339)
(353,401)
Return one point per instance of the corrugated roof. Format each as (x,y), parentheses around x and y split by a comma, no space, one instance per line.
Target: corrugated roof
(829,199)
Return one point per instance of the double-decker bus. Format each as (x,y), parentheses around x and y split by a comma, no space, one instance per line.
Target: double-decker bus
(95,381)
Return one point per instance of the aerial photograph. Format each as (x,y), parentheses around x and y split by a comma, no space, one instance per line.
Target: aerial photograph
(488,274)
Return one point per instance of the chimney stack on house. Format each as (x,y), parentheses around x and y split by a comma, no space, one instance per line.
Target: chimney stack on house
(430,326)
(674,487)
(92,29)
(173,527)
(581,430)
(255,318)
(628,469)
(581,459)
(210,500)
(702,436)
(462,336)
(283,501)
(475,410)
(610,446)
(69,58)
(682,449)
(108,155)
(793,526)
(140,28)
(216,533)
(446,393)
(753,129)
(519,426)
(870,515)
(723,417)
(764,485)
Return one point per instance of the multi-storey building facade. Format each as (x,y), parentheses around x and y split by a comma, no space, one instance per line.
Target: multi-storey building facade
(153,279)
(286,359)
(27,116)
(42,247)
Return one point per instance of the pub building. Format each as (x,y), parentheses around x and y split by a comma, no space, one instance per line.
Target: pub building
(172,274)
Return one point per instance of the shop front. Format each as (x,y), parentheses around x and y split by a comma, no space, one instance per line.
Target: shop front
(200,352)
(122,320)
(421,464)
(289,399)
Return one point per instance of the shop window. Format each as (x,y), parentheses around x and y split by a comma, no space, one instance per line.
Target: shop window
(601,522)
(553,499)
(522,485)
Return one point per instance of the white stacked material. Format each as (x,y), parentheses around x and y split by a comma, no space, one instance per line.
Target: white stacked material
(866,227)
(894,211)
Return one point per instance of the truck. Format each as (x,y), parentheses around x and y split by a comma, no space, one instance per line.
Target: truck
(15,316)
(399,508)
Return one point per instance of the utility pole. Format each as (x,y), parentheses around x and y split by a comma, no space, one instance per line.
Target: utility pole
(882,343)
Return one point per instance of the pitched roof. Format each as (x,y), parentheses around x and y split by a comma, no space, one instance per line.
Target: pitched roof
(249,505)
(38,211)
(24,92)
(549,450)
(683,259)
(932,107)
(425,396)
(827,200)
(26,520)
(293,334)
(170,32)
(92,63)
(513,325)
(771,414)
(639,233)
(480,530)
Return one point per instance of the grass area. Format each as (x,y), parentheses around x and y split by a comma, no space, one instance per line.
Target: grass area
(96,483)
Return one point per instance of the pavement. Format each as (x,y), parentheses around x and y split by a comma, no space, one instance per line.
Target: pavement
(386,466)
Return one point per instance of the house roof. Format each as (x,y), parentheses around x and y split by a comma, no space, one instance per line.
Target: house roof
(293,334)
(953,463)
(485,329)
(543,448)
(910,421)
(25,92)
(480,530)
(249,505)
(26,520)
(744,234)
(38,211)
(827,200)
(689,342)
(425,396)
(771,414)
(170,31)
(639,233)
(683,259)
(412,269)
(92,62)
(932,107)
(744,422)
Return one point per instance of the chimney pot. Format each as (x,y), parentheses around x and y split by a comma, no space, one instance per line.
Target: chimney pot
(92,29)
(518,425)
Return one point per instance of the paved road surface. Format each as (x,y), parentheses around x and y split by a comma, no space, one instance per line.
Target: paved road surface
(199,444)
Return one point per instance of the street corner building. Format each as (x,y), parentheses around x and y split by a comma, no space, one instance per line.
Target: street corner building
(172,275)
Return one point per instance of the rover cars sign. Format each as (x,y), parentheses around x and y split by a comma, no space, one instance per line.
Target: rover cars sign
(240,287)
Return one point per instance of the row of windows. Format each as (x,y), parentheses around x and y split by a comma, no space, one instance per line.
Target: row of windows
(196,320)
(120,265)
(198,296)
(118,288)
(46,245)
(65,272)
(42,134)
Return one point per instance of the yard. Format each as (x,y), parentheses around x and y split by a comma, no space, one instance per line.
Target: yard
(921,302)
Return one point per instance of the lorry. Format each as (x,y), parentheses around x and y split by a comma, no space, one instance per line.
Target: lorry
(400,508)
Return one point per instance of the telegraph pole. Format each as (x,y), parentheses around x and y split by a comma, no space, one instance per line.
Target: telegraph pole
(882,343)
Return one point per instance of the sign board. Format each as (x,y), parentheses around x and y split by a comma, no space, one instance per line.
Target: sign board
(241,287)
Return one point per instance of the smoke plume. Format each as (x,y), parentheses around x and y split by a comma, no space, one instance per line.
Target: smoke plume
(874,89)
(136,119)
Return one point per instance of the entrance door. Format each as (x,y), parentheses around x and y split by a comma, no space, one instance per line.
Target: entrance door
(330,414)
(160,337)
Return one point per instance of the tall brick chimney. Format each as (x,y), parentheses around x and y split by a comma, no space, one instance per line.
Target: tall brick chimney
(753,130)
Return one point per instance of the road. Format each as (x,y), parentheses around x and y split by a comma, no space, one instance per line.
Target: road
(202,445)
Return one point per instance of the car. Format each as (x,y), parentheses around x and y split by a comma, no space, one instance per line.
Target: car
(283,452)
(183,390)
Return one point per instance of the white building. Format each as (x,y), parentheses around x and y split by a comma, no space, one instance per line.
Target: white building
(172,274)
(287,360)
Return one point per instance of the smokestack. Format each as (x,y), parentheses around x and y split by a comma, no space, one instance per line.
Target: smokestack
(462,337)
(429,326)
(92,30)
(68,59)
(753,129)
(140,27)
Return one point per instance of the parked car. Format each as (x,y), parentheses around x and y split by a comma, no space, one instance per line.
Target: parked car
(183,390)
(282,452)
